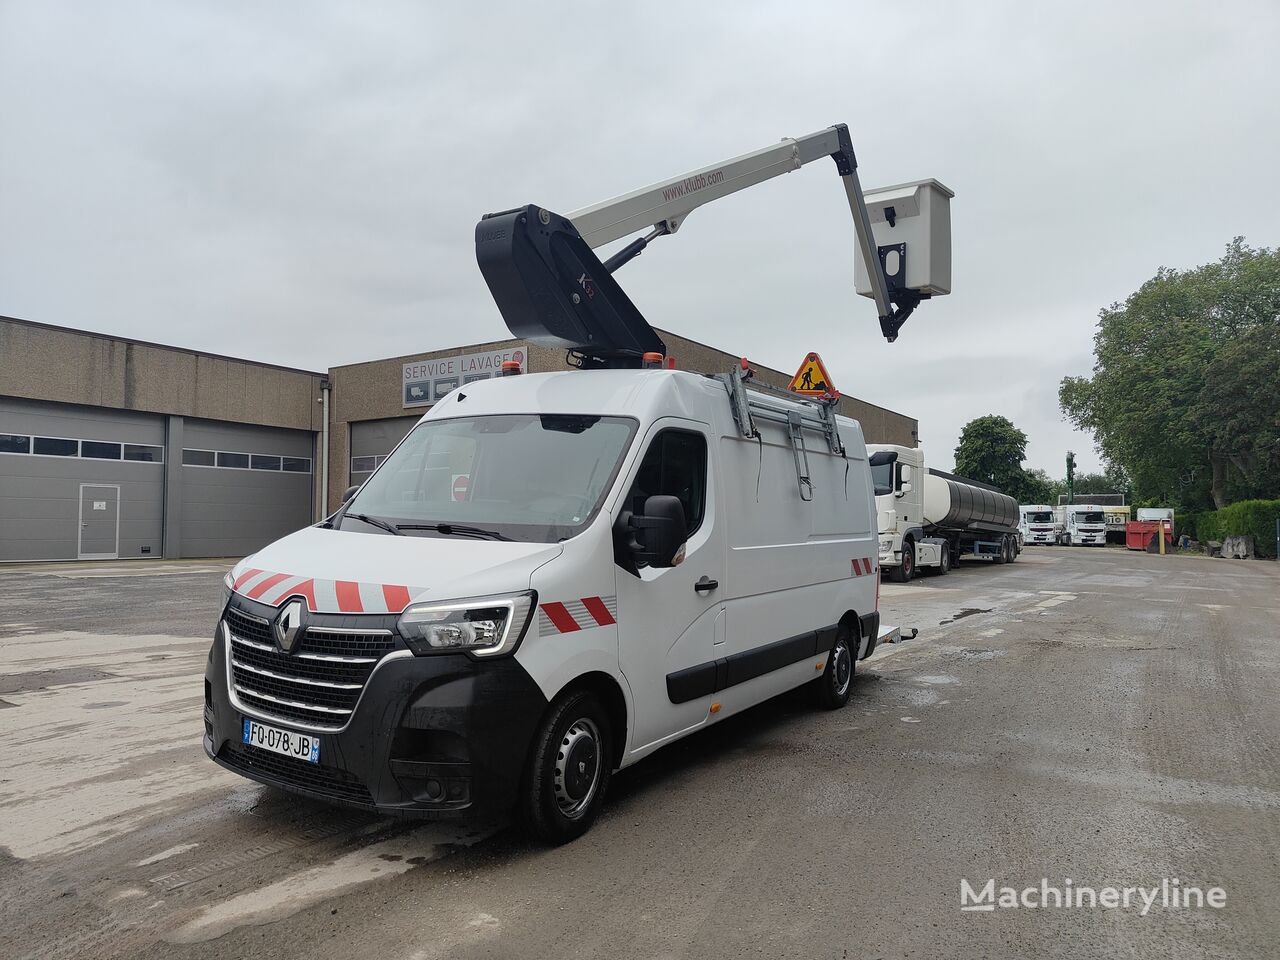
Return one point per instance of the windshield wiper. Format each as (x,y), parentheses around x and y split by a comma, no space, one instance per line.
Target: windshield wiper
(460,529)
(386,525)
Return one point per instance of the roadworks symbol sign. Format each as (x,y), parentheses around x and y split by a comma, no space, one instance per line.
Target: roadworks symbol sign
(812,379)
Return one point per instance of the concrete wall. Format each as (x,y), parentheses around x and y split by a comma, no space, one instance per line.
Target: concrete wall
(42,362)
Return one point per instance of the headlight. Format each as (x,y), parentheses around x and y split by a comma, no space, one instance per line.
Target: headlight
(886,545)
(484,626)
(227,581)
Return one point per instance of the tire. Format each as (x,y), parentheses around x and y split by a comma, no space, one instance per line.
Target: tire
(944,563)
(568,770)
(1003,555)
(906,569)
(831,690)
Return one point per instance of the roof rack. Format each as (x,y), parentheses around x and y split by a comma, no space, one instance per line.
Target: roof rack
(816,413)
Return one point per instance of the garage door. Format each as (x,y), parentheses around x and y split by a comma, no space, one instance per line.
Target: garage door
(79,482)
(372,440)
(242,487)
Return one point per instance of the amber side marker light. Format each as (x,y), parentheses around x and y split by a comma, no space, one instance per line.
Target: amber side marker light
(715,707)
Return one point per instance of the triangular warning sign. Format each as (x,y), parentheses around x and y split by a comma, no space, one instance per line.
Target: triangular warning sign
(812,379)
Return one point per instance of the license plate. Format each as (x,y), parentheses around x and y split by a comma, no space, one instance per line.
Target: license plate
(288,743)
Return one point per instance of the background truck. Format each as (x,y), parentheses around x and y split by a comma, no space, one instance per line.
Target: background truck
(1082,523)
(1037,524)
(929,519)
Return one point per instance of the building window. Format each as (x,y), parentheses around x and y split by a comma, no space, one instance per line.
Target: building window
(56,447)
(245,461)
(363,464)
(14,443)
(144,453)
(99,450)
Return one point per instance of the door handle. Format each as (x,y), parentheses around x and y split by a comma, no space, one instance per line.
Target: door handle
(706,584)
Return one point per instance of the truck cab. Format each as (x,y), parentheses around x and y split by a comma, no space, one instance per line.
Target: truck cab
(1082,524)
(898,475)
(1037,523)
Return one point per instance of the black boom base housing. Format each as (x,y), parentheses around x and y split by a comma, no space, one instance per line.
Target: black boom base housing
(552,289)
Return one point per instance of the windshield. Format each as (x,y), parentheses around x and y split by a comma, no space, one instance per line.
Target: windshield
(882,478)
(1091,516)
(1039,516)
(533,477)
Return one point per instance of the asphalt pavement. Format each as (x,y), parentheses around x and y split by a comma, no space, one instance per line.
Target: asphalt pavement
(1083,718)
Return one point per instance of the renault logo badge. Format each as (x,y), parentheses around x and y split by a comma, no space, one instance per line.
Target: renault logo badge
(288,626)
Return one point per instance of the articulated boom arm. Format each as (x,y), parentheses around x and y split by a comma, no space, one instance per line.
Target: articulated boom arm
(663,206)
(552,289)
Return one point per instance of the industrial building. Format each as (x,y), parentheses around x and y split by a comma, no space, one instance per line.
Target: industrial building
(112,448)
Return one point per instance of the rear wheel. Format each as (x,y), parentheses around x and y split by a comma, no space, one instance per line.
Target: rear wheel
(944,562)
(568,769)
(831,690)
(1003,555)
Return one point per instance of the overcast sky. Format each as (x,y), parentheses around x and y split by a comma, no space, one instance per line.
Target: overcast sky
(299,182)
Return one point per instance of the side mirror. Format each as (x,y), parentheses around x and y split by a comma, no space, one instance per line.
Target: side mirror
(656,537)
(905,488)
(351,492)
(905,472)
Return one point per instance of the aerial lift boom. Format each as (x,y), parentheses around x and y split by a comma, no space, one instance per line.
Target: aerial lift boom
(552,289)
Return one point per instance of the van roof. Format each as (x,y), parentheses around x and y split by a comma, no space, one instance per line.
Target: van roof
(645,394)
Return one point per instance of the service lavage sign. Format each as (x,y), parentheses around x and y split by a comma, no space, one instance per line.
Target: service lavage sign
(426,381)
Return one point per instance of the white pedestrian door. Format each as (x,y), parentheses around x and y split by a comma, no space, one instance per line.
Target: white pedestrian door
(99,521)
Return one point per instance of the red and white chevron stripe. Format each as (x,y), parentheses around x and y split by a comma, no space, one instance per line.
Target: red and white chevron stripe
(324,596)
(862,566)
(571,615)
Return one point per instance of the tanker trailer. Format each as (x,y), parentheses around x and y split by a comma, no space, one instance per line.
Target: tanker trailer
(929,519)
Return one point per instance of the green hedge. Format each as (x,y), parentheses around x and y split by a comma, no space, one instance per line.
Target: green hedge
(1256,518)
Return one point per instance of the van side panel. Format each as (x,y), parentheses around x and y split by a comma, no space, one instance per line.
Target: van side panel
(794,566)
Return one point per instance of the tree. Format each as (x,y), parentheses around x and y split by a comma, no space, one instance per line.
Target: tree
(991,451)
(1041,488)
(1185,392)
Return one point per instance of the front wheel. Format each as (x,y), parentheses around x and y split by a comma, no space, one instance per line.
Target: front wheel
(568,769)
(831,690)
(906,569)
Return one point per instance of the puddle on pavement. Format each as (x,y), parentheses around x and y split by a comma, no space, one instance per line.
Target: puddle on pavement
(966,612)
(42,679)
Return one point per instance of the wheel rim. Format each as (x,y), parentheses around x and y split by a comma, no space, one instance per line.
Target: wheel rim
(577,768)
(841,668)
(908,560)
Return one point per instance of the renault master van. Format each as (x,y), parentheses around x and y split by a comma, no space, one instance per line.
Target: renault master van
(636,554)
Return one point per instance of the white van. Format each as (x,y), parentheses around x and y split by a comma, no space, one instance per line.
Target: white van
(1037,523)
(635,554)
(1082,524)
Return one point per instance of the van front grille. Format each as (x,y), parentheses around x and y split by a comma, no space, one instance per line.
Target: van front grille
(317,685)
(289,771)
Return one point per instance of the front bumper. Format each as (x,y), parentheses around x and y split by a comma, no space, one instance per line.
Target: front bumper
(435,736)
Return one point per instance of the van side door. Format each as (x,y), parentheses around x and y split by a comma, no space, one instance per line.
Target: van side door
(669,619)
